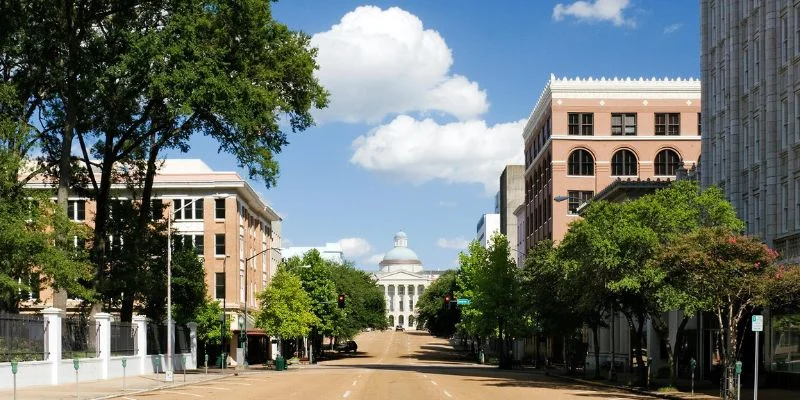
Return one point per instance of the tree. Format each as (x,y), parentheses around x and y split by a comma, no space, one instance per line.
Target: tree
(365,306)
(472,325)
(431,313)
(731,275)
(285,307)
(210,328)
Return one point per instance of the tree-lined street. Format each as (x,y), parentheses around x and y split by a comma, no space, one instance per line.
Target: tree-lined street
(392,365)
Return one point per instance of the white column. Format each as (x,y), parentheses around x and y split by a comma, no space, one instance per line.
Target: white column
(193,361)
(104,341)
(52,326)
(141,342)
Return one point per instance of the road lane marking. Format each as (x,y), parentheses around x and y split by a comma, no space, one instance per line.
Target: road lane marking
(183,393)
(129,398)
(347,393)
(238,383)
(434,383)
(447,394)
(214,387)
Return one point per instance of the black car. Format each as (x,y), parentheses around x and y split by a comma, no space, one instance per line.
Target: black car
(399,328)
(347,346)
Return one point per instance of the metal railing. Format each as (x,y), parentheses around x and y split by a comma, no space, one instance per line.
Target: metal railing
(22,337)
(123,339)
(79,337)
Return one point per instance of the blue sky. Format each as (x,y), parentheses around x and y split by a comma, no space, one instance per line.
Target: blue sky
(428,101)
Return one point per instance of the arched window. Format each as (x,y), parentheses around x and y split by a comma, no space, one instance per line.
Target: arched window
(391,320)
(400,320)
(411,321)
(581,162)
(623,163)
(667,162)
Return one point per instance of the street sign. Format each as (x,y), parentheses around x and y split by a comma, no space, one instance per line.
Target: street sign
(758,323)
(463,302)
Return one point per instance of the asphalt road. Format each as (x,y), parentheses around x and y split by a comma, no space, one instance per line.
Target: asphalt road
(391,366)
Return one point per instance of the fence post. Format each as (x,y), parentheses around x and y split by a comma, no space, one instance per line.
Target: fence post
(104,342)
(193,361)
(52,340)
(141,342)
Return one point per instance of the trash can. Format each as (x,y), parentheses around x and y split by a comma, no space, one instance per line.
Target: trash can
(280,363)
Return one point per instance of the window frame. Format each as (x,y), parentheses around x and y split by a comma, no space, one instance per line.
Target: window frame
(219,243)
(625,163)
(218,209)
(624,124)
(577,198)
(665,164)
(580,165)
(218,287)
(667,124)
(580,127)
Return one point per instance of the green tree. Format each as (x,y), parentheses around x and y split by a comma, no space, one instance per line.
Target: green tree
(285,307)
(472,325)
(431,313)
(731,275)
(365,306)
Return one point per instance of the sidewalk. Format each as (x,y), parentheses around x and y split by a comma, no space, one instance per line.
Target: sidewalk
(703,390)
(110,388)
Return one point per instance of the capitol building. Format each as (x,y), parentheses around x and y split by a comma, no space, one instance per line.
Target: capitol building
(403,279)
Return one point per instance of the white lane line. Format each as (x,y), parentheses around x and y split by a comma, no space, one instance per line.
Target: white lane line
(424,376)
(434,383)
(183,393)
(347,393)
(447,394)
(129,398)
(238,383)
(217,388)
(354,383)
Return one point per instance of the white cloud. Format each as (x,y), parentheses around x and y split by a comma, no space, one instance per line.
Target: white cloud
(377,62)
(423,150)
(672,28)
(600,10)
(375,259)
(354,248)
(458,243)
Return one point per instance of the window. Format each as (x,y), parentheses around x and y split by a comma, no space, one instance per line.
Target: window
(156,209)
(745,156)
(756,140)
(401,305)
(668,124)
(746,65)
(797,30)
(219,244)
(219,208)
(667,162)
(76,210)
(186,241)
(623,163)
(797,117)
(784,207)
(577,198)
(784,124)
(784,40)
(219,285)
(241,285)
(699,124)
(188,209)
(33,283)
(623,124)
(797,203)
(410,305)
(756,215)
(581,124)
(746,213)
(581,162)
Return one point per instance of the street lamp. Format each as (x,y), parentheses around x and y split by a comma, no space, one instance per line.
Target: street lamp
(170,216)
(223,330)
(244,330)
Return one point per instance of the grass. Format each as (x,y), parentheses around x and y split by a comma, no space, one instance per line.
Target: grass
(667,389)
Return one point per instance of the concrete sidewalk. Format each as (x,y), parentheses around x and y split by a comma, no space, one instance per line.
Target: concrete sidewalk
(110,388)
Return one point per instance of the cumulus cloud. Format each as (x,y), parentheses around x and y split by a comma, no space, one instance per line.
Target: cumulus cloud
(378,62)
(375,259)
(598,10)
(672,28)
(354,248)
(458,243)
(423,150)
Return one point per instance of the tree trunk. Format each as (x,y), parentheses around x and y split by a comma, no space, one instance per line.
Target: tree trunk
(674,356)
(730,351)
(595,333)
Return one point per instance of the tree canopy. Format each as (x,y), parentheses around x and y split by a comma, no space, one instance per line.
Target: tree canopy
(285,307)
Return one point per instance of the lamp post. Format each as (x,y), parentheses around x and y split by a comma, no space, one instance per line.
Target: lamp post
(244,329)
(169,370)
(222,330)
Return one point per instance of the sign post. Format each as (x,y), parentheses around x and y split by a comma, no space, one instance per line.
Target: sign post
(758,326)
(124,364)
(693,364)
(738,371)
(76,365)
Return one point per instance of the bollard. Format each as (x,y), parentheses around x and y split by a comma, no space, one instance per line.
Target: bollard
(14,364)
(184,367)
(76,365)
(124,364)
(693,365)
(738,379)
(206,362)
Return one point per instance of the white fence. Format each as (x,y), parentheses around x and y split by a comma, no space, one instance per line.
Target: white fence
(55,371)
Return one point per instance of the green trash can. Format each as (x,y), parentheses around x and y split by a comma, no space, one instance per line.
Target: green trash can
(280,363)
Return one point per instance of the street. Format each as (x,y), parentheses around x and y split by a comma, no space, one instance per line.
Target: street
(391,365)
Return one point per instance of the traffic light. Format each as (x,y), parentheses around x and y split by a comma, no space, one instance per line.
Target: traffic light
(446,302)
(341,301)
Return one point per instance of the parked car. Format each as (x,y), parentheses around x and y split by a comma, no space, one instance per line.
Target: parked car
(347,346)
(399,328)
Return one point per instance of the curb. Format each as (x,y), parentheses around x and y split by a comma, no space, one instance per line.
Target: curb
(157,388)
(618,387)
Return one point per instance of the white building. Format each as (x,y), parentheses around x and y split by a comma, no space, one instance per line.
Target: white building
(331,252)
(488,225)
(402,279)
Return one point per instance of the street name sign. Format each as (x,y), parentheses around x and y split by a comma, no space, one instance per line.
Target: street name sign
(758,323)
(463,302)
